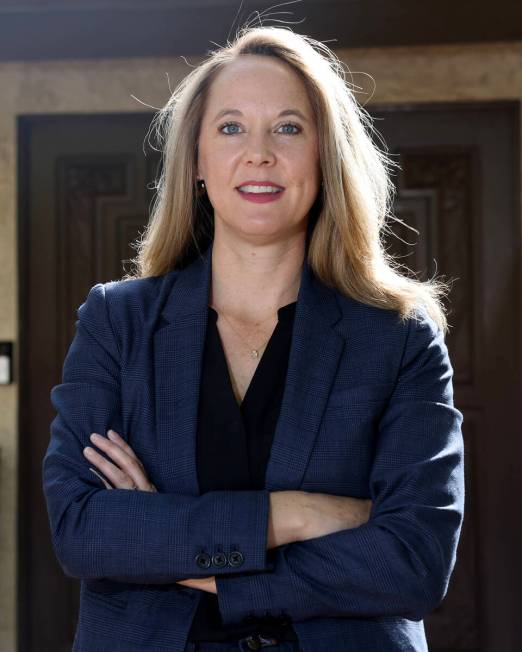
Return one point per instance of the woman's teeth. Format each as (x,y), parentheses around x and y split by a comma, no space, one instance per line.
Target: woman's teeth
(259,189)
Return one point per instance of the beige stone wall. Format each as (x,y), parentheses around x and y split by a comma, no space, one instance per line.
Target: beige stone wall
(401,75)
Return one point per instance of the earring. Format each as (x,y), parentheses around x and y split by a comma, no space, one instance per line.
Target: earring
(201,186)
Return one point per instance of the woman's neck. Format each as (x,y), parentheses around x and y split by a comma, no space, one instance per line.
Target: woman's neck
(250,284)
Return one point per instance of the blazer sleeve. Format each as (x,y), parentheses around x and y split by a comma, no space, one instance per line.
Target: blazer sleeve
(130,536)
(398,563)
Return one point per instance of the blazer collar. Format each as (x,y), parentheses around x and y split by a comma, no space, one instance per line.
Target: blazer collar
(314,356)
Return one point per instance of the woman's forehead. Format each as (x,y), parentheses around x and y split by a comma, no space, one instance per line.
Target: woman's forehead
(254,85)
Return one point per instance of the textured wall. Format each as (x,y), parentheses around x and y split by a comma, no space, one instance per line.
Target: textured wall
(401,75)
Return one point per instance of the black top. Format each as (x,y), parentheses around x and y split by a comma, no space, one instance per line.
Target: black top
(233,447)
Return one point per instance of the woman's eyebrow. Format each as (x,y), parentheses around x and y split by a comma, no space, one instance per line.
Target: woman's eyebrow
(295,112)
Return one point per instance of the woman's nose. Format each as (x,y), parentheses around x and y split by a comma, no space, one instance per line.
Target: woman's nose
(258,150)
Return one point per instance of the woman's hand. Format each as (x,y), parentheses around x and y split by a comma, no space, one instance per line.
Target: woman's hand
(285,517)
(301,515)
(324,513)
(207,584)
(127,473)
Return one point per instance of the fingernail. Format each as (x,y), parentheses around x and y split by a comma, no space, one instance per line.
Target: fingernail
(88,450)
(111,434)
(95,437)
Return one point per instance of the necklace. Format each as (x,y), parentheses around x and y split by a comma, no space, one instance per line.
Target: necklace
(254,353)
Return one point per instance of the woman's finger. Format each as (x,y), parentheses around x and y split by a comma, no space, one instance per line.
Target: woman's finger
(107,485)
(118,478)
(118,439)
(151,489)
(129,472)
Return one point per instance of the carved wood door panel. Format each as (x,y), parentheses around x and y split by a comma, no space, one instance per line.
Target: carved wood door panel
(459,187)
(84,197)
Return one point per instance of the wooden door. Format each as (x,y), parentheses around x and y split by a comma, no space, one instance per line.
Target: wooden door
(84,197)
(459,187)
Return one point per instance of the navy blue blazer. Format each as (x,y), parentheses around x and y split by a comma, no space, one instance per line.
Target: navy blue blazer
(367,412)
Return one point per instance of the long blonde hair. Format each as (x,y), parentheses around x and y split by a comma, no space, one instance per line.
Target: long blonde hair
(352,212)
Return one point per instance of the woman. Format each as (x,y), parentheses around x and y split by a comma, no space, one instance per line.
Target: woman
(276,394)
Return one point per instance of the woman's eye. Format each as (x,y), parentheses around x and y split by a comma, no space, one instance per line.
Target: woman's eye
(234,125)
(226,126)
(292,133)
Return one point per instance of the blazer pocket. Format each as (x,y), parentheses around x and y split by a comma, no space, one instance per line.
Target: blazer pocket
(347,397)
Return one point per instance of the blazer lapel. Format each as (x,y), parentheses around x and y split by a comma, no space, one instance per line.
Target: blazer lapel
(314,355)
(178,357)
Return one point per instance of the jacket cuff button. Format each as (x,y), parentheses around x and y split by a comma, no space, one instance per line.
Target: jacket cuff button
(236,558)
(203,560)
(219,559)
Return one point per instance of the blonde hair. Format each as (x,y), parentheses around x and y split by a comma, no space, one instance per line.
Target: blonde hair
(350,216)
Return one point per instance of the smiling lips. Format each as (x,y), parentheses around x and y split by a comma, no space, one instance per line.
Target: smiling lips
(260,192)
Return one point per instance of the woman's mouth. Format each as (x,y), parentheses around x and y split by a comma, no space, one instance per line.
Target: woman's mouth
(260,195)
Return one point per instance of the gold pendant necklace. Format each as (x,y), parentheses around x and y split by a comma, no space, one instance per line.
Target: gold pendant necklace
(254,353)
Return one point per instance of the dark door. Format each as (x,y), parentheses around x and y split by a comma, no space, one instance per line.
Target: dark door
(84,198)
(459,188)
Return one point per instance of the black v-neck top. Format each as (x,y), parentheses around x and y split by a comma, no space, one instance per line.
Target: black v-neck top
(233,447)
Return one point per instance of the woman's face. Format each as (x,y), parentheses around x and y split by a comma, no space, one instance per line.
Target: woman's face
(256,143)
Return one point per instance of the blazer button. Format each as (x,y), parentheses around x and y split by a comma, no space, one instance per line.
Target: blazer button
(203,560)
(236,558)
(219,559)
